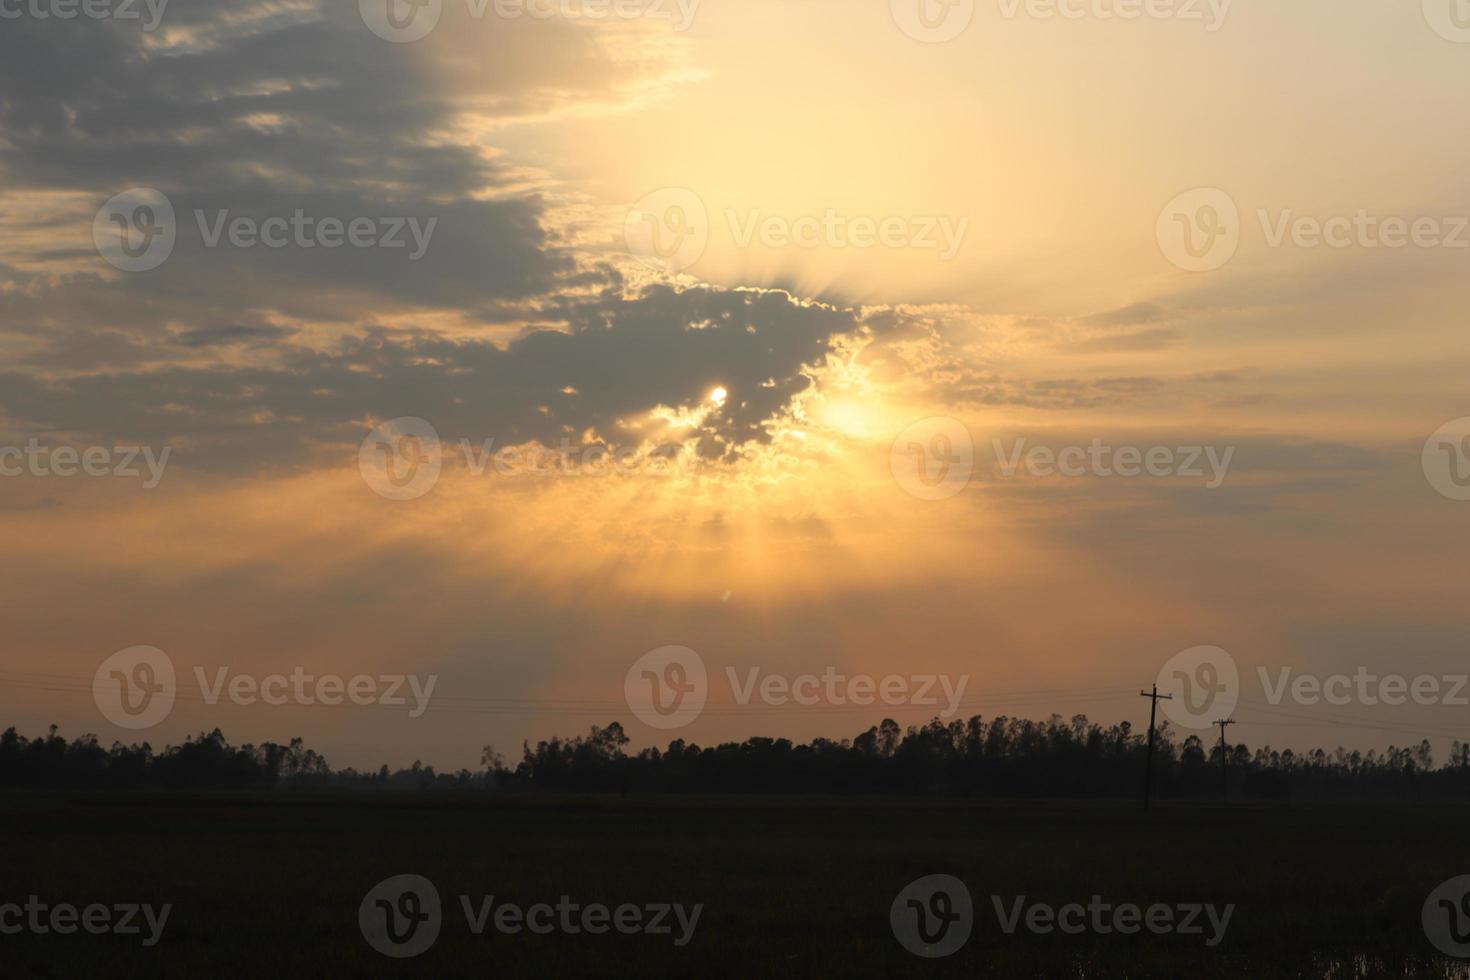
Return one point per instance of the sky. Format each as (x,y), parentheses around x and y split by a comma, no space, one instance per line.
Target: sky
(1022,346)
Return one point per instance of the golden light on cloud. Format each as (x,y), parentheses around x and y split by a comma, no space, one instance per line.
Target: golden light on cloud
(863,258)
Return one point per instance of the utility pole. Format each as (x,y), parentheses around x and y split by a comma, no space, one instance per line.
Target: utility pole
(1153,706)
(1224,779)
(1465,763)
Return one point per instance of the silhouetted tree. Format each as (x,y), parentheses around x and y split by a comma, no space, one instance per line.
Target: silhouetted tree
(1000,757)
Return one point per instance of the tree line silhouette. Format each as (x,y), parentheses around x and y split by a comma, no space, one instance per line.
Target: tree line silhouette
(1002,757)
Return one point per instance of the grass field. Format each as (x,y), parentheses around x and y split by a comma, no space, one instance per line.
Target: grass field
(271,884)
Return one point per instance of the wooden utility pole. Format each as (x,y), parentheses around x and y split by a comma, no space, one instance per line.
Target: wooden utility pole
(1148,772)
(1224,779)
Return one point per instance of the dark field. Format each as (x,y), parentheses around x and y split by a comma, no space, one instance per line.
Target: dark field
(271,884)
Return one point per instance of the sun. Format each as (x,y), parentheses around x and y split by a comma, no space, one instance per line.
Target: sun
(719,395)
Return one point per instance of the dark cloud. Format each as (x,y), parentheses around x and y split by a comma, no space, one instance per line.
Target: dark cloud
(254,111)
(619,359)
(304,111)
(228,334)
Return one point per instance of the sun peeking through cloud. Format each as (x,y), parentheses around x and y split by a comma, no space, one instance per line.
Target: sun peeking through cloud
(679,503)
(808,508)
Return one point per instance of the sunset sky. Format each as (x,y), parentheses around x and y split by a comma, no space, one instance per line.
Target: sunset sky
(788,374)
